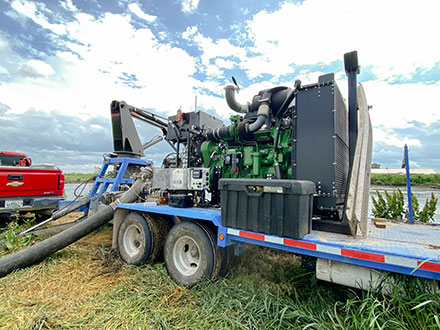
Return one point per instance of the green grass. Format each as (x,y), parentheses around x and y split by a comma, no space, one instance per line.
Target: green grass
(84,287)
(429,180)
(78,177)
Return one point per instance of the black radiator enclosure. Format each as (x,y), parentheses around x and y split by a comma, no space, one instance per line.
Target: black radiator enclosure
(274,207)
(320,144)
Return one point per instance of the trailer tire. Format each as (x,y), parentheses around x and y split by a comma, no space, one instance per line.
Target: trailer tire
(134,239)
(189,255)
(218,251)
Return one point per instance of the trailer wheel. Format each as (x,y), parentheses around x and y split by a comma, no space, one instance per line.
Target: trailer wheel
(189,256)
(218,251)
(134,239)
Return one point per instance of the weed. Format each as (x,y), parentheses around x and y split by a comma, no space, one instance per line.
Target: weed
(428,211)
(393,206)
(11,241)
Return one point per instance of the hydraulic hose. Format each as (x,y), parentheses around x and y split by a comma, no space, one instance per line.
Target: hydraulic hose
(58,215)
(43,249)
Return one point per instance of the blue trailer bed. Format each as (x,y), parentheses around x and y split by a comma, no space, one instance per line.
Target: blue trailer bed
(412,249)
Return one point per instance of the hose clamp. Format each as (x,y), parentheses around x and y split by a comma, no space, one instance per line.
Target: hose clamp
(115,204)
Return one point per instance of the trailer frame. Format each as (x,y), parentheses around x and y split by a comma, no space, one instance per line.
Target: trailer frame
(403,249)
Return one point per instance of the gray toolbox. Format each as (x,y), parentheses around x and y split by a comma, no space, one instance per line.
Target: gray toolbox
(275,207)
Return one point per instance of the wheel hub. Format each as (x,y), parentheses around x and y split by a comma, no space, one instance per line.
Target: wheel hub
(132,240)
(186,255)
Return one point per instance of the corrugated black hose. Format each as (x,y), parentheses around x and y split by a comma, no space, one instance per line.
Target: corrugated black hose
(43,249)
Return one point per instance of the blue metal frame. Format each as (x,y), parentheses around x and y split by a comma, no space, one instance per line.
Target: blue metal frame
(206,214)
(214,215)
(101,183)
(229,239)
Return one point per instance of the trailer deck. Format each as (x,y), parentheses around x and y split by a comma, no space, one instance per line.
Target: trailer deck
(411,249)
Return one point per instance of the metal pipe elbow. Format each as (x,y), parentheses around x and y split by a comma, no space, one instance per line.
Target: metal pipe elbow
(263,113)
(232,102)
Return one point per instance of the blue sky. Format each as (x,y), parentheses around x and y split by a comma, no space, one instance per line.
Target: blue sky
(63,62)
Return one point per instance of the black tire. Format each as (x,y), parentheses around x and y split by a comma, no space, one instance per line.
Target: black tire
(218,251)
(189,255)
(135,239)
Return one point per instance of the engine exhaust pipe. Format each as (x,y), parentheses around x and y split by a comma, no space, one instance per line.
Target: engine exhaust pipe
(352,70)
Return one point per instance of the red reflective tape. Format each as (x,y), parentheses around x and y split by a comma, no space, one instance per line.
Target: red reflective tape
(300,244)
(363,255)
(252,235)
(429,266)
(115,114)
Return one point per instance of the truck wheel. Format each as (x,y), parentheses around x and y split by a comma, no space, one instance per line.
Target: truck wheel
(134,239)
(189,256)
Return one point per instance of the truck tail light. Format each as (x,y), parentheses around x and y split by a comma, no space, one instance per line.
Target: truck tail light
(60,181)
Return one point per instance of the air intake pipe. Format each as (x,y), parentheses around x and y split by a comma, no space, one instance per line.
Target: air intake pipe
(232,102)
(262,114)
(261,104)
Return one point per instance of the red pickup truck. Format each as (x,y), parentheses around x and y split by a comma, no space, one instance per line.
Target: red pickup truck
(28,188)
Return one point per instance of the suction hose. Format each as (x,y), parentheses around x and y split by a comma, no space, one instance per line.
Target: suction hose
(41,250)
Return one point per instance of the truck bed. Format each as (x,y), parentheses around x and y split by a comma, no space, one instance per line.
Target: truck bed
(411,249)
(33,188)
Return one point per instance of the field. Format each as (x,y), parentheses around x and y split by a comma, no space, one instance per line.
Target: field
(427,180)
(78,177)
(86,286)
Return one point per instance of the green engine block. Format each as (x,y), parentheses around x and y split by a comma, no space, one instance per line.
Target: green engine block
(255,158)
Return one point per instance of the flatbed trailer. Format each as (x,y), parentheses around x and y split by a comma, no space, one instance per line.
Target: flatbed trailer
(411,249)
(291,172)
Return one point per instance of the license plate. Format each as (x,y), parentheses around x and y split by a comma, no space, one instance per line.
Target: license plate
(13,204)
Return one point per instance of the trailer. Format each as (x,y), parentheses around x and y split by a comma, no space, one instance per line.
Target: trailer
(303,188)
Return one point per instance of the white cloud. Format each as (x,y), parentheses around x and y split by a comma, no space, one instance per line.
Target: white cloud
(97,127)
(189,32)
(68,5)
(37,68)
(388,137)
(30,10)
(396,105)
(189,6)
(222,63)
(394,36)
(135,9)
(212,51)
(3,70)
(86,85)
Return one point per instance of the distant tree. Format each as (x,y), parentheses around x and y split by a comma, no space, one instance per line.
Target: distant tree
(375,165)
